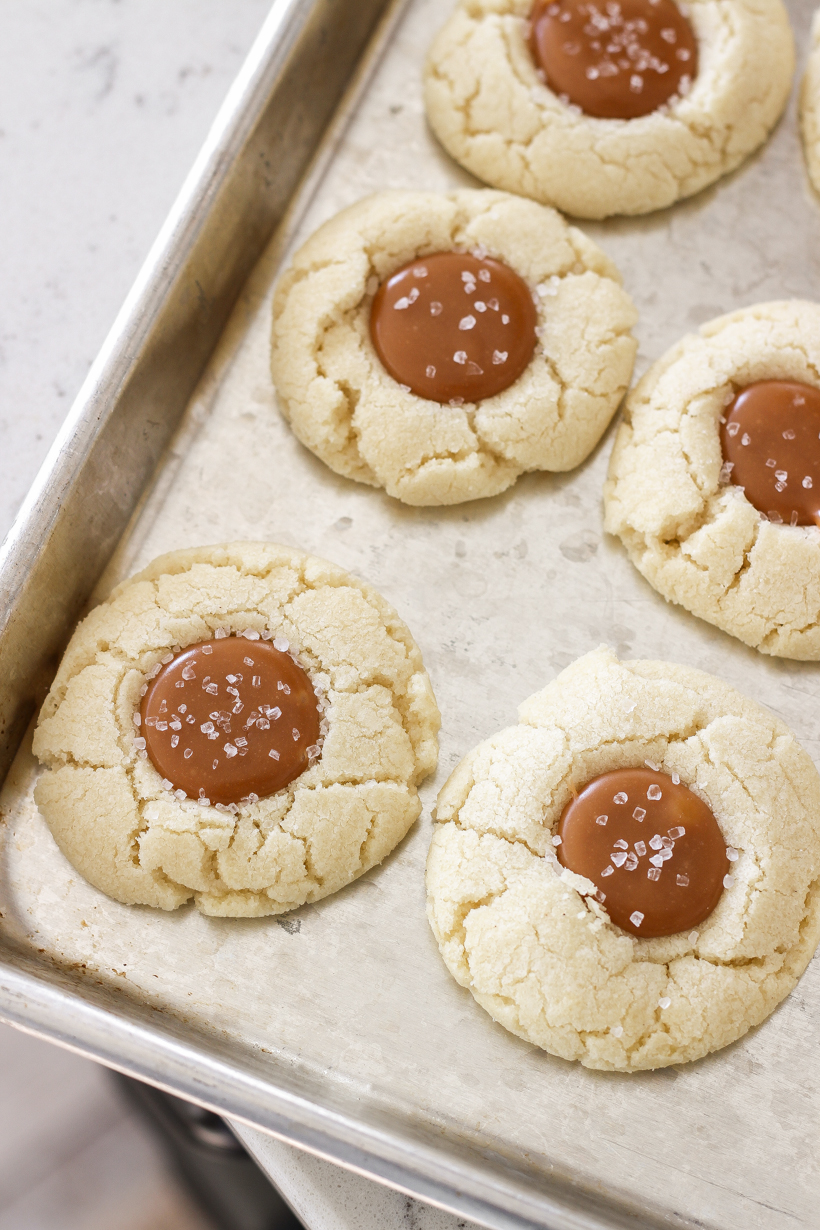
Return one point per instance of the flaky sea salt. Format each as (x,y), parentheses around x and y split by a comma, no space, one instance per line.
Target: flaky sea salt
(607,871)
(620,798)
(677,832)
(664,1001)
(601,819)
(617,1031)
(732,854)
(654,793)
(639,814)
(728,881)
(618,858)
(636,918)
(556,841)
(693,937)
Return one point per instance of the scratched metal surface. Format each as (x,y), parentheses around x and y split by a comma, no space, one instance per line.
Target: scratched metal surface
(501,595)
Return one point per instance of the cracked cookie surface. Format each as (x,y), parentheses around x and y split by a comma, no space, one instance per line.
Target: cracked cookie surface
(343,405)
(529,939)
(810,106)
(127,834)
(695,537)
(494,115)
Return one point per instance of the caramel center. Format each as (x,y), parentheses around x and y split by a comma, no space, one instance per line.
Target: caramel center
(454,327)
(771,448)
(615,59)
(230,718)
(652,848)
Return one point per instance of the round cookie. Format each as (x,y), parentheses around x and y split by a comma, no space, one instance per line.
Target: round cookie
(686,527)
(810,106)
(344,406)
(529,938)
(131,835)
(490,109)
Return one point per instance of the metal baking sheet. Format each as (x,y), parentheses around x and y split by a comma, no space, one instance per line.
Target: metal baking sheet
(337,1027)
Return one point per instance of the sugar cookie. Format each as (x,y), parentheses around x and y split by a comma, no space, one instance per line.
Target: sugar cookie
(492,111)
(369,425)
(533,940)
(300,800)
(686,525)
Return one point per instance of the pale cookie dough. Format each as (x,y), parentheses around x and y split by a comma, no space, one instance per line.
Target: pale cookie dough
(105,803)
(490,110)
(344,406)
(693,535)
(528,938)
(810,106)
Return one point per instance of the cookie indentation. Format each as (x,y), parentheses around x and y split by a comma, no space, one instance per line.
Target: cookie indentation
(771,448)
(454,327)
(617,60)
(652,848)
(230,718)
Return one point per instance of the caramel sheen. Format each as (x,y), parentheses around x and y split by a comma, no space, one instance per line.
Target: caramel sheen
(652,848)
(212,717)
(771,447)
(615,59)
(453,327)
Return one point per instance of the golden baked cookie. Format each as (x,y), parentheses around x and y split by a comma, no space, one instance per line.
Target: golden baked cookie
(145,839)
(686,525)
(810,106)
(343,404)
(492,111)
(533,941)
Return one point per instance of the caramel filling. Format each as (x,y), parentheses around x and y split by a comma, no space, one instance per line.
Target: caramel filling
(615,59)
(771,448)
(230,719)
(454,328)
(652,848)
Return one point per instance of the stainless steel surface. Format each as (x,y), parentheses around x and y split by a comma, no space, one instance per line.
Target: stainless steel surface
(328,1197)
(338,1028)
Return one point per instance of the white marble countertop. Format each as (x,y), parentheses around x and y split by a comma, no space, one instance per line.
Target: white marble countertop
(103,107)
